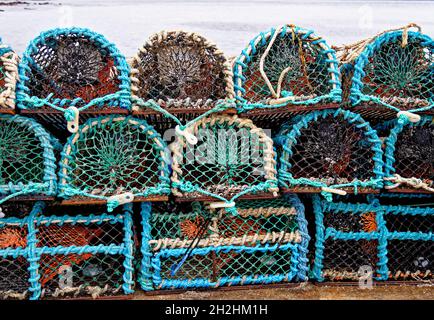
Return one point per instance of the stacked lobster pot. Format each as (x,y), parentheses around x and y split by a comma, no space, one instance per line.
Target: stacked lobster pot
(79,241)
(289,78)
(195,246)
(388,79)
(180,79)
(374,240)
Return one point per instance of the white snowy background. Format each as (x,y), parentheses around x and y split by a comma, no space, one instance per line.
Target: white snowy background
(229,23)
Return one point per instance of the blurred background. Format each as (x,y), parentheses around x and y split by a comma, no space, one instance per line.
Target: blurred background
(229,23)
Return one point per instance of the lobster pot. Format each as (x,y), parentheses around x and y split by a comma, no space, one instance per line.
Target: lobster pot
(286,67)
(54,252)
(114,159)
(72,67)
(16,275)
(27,158)
(333,151)
(410,156)
(83,251)
(232,158)
(361,241)
(394,73)
(192,246)
(8,78)
(182,72)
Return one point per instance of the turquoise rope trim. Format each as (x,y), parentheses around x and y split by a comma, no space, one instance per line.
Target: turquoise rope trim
(25,99)
(287,139)
(145,273)
(390,142)
(335,94)
(220,106)
(206,283)
(356,94)
(302,263)
(66,185)
(32,253)
(48,185)
(33,257)
(128,285)
(382,234)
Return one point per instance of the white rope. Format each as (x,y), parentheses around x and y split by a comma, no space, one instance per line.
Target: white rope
(416,183)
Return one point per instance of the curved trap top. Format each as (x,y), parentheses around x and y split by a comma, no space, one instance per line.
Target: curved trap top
(181,70)
(73,67)
(233,158)
(284,66)
(410,155)
(27,161)
(396,71)
(114,159)
(332,151)
(8,78)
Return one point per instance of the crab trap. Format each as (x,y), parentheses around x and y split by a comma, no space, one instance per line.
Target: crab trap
(288,68)
(232,159)
(8,78)
(409,153)
(115,159)
(189,245)
(329,151)
(393,72)
(180,74)
(72,71)
(372,241)
(56,252)
(27,159)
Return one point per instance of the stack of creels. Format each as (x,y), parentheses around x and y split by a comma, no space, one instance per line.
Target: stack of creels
(74,73)
(289,69)
(374,241)
(177,76)
(46,254)
(8,78)
(193,246)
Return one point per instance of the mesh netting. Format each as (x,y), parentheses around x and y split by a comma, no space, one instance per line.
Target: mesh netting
(114,155)
(287,65)
(395,74)
(330,149)
(181,66)
(411,260)
(27,161)
(72,67)
(392,242)
(8,77)
(266,242)
(233,157)
(86,254)
(410,155)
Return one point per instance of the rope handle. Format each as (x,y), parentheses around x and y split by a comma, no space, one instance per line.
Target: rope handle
(191,138)
(221,204)
(335,191)
(72,115)
(412,117)
(348,53)
(119,199)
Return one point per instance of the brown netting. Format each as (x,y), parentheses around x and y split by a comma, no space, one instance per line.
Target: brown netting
(178,65)
(332,150)
(72,66)
(414,153)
